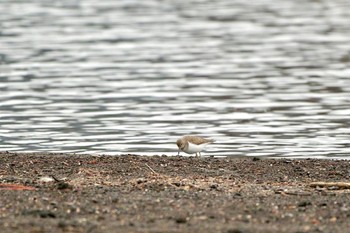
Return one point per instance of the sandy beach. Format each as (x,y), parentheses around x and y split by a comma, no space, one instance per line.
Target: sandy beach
(128,193)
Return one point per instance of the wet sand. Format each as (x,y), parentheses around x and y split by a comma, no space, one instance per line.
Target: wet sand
(128,193)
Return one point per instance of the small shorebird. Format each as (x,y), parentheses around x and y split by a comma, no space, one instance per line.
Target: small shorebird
(192,144)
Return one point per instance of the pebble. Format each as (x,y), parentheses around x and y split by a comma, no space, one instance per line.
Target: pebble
(304,203)
(63,185)
(180,219)
(46,179)
(141,180)
(235,230)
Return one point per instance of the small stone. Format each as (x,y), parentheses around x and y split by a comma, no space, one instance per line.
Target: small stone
(180,219)
(279,191)
(46,179)
(304,203)
(63,185)
(141,180)
(47,214)
(234,230)
(54,204)
(235,195)
(177,184)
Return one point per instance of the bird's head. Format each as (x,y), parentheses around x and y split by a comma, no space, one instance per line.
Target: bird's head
(181,144)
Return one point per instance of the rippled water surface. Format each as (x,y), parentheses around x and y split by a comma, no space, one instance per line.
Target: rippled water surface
(263,78)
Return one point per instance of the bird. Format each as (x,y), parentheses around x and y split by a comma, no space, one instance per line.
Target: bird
(192,144)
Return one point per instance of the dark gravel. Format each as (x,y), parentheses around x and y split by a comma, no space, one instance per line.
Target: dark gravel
(128,193)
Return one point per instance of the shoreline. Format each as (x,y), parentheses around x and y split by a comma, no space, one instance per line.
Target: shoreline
(131,193)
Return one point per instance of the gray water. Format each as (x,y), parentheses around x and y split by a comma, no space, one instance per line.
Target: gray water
(263,78)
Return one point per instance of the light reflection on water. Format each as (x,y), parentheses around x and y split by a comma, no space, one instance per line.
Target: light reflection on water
(263,79)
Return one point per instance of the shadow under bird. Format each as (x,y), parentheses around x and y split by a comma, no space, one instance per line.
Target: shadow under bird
(192,144)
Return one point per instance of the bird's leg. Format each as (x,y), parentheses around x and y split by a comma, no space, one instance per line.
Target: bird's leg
(178,153)
(196,154)
(200,155)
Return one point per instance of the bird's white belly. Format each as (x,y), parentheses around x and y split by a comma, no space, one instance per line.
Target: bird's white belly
(193,148)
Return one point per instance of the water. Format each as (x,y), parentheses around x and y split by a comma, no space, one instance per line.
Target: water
(262,78)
